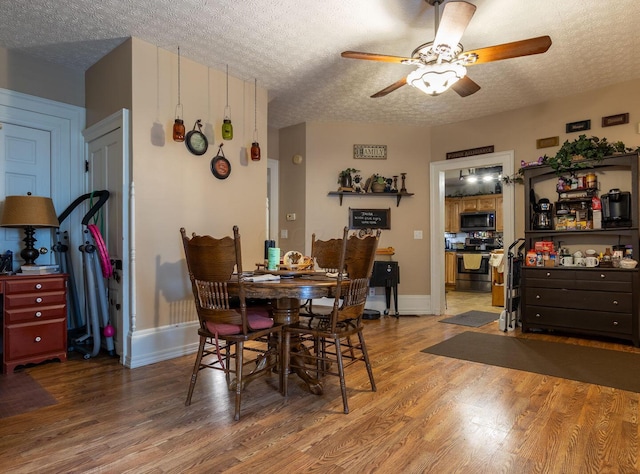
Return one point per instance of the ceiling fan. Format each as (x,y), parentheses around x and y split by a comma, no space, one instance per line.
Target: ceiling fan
(442,63)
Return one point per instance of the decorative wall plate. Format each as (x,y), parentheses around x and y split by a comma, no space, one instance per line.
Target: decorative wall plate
(196,141)
(220,166)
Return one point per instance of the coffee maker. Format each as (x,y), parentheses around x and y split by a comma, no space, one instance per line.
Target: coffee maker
(543,216)
(616,208)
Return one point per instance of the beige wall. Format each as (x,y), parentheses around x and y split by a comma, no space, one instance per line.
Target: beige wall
(293,185)
(23,73)
(329,149)
(108,84)
(174,188)
(518,130)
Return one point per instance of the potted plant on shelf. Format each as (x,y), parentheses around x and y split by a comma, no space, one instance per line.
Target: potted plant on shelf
(345,180)
(378,183)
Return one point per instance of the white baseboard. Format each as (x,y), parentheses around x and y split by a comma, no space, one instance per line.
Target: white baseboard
(149,346)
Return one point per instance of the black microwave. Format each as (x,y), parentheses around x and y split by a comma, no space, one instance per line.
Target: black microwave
(478,220)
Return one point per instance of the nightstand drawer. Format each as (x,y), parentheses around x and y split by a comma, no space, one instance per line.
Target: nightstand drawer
(35,314)
(32,340)
(32,285)
(34,300)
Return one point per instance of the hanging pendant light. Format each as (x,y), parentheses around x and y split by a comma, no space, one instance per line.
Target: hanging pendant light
(255,146)
(227,127)
(178,124)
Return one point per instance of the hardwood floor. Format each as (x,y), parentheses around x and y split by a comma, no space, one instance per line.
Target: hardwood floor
(430,414)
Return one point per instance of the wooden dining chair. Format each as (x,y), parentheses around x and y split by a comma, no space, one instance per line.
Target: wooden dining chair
(327,341)
(224,316)
(325,255)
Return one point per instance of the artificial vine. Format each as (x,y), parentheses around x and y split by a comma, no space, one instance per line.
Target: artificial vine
(580,153)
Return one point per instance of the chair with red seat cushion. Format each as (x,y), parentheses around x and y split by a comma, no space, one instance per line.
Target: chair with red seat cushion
(213,266)
(325,344)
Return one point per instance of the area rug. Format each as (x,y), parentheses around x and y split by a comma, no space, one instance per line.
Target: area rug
(472,318)
(19,393)
(568,361)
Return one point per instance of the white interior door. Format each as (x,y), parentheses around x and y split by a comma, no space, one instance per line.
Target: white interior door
(108,165)
(25,159)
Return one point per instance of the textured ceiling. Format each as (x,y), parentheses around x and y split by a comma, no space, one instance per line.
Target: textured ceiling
(293,48)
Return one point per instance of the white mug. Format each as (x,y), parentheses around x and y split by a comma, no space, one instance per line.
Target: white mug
(580,261)
(566,261)
(592,261)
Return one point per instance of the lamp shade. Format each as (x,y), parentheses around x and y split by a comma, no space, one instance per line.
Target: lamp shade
(33,211)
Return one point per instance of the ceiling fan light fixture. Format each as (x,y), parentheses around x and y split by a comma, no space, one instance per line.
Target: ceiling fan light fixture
(434,79)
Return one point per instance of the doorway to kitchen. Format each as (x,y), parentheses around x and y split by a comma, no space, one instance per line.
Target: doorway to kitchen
(437,195)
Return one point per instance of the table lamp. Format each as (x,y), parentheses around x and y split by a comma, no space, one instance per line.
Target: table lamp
(30,212)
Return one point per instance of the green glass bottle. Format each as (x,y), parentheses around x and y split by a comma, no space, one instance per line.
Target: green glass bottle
(227,129)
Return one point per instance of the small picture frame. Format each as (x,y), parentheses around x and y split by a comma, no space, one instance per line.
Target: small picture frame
(580,126)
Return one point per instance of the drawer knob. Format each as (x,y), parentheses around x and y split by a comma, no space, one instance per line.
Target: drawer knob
(38,314)
(602,275)
(537,297)
(38,339)
(38,300)
(615,302)
(615,323)
(38,286)
(548,274)
(537,315)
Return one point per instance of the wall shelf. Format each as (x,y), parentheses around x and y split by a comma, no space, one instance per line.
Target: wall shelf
(398,195)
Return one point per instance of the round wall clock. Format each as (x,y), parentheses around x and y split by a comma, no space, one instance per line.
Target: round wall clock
(196,141)
(220,166)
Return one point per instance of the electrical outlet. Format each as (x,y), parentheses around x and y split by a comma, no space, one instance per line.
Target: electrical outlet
(284,234)
(417,234)
(372,292)
(291,217)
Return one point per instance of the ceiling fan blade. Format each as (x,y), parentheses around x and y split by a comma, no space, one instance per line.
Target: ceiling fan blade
(465,87)
(391,88)
(510,50)
(374,57)
(455,19)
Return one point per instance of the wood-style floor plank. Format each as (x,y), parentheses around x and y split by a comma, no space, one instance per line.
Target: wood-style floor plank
(430,414)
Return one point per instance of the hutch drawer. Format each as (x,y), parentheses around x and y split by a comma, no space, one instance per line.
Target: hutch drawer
(609,322)
(615,302)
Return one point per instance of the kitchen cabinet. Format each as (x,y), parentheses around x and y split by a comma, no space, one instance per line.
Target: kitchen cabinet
(452,215)
(486,203)
(455,205)
(34,319)
(499,214)
(593,301)
(450,263)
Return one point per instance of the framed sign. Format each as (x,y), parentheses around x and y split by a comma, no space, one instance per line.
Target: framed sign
(470,152)
(547,142)
(580,126)
(369,218)
(370,152)
(612,120)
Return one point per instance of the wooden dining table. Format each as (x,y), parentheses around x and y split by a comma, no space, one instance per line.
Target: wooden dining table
(286,294)
(292,288)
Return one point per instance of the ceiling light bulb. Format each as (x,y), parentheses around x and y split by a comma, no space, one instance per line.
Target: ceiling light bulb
(434,79)
(472,178)
(487,177)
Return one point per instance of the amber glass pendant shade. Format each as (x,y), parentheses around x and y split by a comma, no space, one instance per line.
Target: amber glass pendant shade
(255,151)
(178,130)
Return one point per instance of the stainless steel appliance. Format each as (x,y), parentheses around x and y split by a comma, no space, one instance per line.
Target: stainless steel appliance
(473,269)
(616,208)
(477,221)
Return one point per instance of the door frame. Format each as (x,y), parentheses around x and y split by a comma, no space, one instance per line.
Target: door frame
(437,194)
(120,120)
